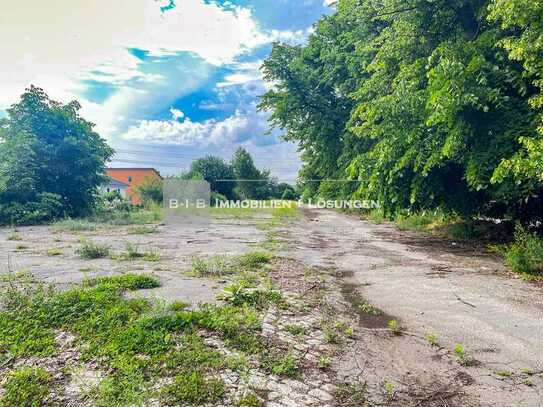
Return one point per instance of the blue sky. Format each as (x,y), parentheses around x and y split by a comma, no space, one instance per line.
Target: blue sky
(165,81)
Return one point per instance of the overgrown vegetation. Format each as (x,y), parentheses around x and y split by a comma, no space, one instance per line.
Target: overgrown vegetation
(425,106)
(138,341)
(525,254)
(217,266)
(91,250)
(40,141)
(26,386)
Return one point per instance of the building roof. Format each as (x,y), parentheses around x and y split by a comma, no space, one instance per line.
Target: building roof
(135,169)
(116,183)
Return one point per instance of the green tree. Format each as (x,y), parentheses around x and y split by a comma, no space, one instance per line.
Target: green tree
(419,103)
(217,172)
(47,148)
(151,190)
(251,183)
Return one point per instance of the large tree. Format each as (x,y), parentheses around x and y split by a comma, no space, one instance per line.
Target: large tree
(424,103)
(217,172)
(48,148)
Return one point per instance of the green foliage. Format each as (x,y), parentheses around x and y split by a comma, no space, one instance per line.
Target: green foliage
(51,160)
(250,400)
(279,364)
(296,330)
(193,388)
(422,106)
(525,254)
(251,182)
(217,172)
(151,190)
(26,387)
(91,250)
(127,281)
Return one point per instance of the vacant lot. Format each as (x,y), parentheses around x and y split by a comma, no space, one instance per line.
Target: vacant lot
(274,308)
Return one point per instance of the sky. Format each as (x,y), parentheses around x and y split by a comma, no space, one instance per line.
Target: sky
(165,81)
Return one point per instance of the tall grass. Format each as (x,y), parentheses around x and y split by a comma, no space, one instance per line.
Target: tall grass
(525,254)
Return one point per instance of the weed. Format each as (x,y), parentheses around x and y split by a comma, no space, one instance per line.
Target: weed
(369,309)
(126,281)
(350,394)
(142,230)
(21,247)
(296,330)
(432,339)
(178,306)
(504,373)
(26,386)
(393,326)
(324,362)
(388,387)
(250,400)
(91,250)
(54,252)
(14,236)
(253,260)
(525,255)
(528,382)
(461,355)
(215,266)
(237,362)
(349,332)
(278,364)
(330,335)
(75,225)
(527,371)
(193,388)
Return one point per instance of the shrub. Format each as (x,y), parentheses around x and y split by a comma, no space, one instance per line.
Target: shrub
(26,386)
(525,255)
(45,208)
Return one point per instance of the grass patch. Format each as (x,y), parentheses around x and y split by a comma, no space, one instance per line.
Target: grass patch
(54,252)
(142,230)
(193,388)
(126,281)
(14,236)
(249,400)
(21,247)
(90,250)
(350,394)
(279,364)
(296,330)
(132,253)
(369,309)
(26,386)
(76,225)
(217,266)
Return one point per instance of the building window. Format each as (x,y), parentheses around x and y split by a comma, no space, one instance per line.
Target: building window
(129,179)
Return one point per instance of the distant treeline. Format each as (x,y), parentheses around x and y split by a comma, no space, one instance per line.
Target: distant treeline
(237,179)
(425,103)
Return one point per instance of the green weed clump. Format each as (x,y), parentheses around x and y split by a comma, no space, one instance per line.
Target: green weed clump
(91,250)
(132,253)
(217,266)
(193,388)
(525,254)
(26,386)
(127,281)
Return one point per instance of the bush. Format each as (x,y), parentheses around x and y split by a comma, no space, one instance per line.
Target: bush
(47,207)
(525,255)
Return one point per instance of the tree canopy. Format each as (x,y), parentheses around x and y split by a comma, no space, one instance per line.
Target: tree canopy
(51,160)
(422,103)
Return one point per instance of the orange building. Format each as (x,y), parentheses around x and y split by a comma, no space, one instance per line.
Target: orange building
(132,177)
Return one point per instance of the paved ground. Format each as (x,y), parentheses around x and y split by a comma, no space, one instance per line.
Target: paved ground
(445,288)
(454,292)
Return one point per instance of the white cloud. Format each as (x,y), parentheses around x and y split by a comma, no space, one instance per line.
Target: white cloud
(56,43)
(239,127)
(176,114)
